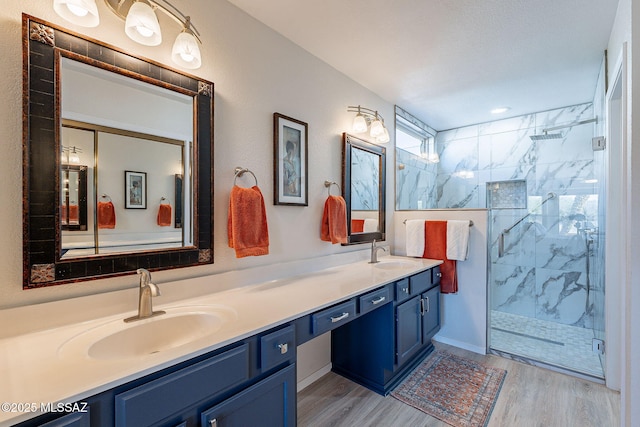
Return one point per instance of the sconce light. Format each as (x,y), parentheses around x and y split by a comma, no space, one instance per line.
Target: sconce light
(367,118)
(141,24)
(70,155)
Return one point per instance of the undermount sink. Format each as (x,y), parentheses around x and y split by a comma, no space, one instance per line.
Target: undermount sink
(394,265)
(179,326)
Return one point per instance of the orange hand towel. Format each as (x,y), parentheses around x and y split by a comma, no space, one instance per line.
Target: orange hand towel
(247,224)
(74,213)
(357,225)
(164,215)
(435,247)
(106,215)
(334,220)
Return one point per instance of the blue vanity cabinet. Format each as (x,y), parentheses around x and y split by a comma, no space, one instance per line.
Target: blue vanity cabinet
(271,402)
(380,348)
(256,373)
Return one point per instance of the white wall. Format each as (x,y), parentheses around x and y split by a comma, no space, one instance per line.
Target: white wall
(464,314)
(256,72)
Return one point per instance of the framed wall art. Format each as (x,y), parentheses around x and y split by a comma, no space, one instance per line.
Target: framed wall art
(290,183)
(135,190)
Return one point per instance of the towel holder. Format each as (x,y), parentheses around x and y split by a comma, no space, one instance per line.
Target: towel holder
(162,199)
(405,222)
(241,171)
(328,184)
(106,196)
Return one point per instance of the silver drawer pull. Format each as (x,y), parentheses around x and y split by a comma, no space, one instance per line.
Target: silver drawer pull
(283,348)
(405,290)
(378,301)
(213,423)
(439,274)
(339,318)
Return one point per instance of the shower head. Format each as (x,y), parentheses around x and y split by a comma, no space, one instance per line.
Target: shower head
(545,136)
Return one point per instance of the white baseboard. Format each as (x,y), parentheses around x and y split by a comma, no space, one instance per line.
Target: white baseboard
(313,377)
(460,344)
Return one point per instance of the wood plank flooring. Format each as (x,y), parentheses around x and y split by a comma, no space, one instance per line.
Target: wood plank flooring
(530,396)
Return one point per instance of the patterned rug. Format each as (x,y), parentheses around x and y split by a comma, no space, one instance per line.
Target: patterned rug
(456,390)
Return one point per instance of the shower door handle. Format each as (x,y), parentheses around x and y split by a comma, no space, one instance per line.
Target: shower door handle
(501,245)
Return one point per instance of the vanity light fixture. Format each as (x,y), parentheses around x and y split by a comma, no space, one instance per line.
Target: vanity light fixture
(371,119)
(70,155)
(141,24)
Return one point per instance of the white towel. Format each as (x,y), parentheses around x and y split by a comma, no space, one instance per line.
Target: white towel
(457,240)
(370,225)
(415,237)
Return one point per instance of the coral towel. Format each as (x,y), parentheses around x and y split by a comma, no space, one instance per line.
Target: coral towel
(334,220)
(247,224)
(164,215)
(357,225)
(435,247)
(106,215)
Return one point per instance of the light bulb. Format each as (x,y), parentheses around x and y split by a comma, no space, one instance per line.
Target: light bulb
(79,12)
(186,52)
(384,138)
(142,25)
(377,128)
(359,124)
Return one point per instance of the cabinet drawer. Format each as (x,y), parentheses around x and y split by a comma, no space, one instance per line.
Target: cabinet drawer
(75,419)
(277,347)
(374,299)
(163,397)
(402,290)
(420,282)
(330,318)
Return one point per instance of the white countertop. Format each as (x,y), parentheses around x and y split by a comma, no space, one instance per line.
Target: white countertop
(34,370)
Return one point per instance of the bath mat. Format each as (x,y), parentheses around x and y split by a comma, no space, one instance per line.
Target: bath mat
(458,391)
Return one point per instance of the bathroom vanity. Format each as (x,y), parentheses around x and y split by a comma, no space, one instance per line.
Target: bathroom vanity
(382,318)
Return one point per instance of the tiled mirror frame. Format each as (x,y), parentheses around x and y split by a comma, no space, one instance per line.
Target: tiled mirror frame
(43,44)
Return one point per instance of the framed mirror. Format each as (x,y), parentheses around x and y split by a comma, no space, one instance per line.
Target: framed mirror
(118,130)
(363,187)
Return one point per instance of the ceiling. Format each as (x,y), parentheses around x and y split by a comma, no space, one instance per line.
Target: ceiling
(449,62)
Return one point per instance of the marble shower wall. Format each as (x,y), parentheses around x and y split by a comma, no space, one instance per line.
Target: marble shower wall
(415,182)
(543,271)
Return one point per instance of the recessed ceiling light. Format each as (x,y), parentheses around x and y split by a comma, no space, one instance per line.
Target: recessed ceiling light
(500,110)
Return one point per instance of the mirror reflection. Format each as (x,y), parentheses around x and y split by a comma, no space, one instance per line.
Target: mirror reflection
(137,136)
(364,189)
(133,149)
(365,185)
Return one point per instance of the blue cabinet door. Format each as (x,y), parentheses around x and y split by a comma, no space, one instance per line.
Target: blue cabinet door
(430,314)
(269,403)
(408,329)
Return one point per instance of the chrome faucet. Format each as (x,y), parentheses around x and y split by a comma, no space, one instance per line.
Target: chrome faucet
(374,252)
(147,291)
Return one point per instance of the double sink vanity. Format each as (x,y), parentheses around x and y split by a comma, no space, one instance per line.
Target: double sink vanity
(227,356)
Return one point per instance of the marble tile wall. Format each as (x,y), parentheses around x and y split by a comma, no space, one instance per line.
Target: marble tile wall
(415,182)
(365,181)
(543,271)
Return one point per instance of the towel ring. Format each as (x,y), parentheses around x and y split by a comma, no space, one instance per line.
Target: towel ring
(105,196)
(162,199)
(328,184)
(240,171)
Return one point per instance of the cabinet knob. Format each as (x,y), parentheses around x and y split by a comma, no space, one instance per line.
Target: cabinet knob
(405,290)
(439,275)
(283,348)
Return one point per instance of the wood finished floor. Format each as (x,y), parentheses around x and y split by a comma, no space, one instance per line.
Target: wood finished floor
(530,396)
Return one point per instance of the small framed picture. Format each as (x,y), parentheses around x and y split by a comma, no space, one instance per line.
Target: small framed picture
(135,190)
(290,185)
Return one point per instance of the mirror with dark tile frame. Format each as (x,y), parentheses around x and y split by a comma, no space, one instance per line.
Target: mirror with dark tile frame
(363,188)
(122,141)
